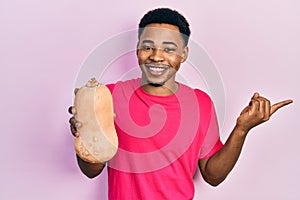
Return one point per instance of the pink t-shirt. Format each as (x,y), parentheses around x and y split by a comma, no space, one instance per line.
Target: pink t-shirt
(161,139)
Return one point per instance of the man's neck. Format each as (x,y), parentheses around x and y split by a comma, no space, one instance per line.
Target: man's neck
(160,90)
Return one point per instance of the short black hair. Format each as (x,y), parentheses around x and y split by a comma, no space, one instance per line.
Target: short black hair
(166,16)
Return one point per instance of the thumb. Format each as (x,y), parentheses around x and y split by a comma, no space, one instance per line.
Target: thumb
(76,90)
(278,105)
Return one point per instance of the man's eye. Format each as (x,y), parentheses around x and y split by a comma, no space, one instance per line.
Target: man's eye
(169,49)
(147,48)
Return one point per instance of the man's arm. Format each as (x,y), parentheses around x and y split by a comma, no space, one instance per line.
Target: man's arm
(91,170)
(216,168)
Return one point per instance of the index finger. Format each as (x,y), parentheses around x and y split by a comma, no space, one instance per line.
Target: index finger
(278,105)
(72,110)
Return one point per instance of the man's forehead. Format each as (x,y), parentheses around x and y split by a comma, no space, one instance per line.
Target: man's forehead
(163,25)
(161,34)
(161,29)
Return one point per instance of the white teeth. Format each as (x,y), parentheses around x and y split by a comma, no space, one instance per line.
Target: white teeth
(157,69)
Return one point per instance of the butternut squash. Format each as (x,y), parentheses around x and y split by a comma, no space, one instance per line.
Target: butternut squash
(97,141)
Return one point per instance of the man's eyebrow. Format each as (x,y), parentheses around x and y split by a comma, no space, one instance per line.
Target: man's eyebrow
(147,41)
(172,43)
(150,41)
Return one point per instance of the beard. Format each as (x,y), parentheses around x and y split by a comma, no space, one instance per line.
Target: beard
(156,84)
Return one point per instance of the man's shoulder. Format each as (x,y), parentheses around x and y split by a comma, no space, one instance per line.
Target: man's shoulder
(201,95)
(124,83)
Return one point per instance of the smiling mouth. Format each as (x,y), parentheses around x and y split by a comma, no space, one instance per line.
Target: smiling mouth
(156,70)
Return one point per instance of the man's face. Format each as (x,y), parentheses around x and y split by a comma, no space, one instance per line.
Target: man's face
(160,52)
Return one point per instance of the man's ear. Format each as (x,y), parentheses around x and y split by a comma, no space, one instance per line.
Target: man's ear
(137,48)
(184,54)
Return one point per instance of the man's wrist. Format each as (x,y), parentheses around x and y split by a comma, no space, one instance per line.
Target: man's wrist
(89,163)
(240,130)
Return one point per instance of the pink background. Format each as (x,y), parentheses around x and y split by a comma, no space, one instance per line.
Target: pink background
(254,45)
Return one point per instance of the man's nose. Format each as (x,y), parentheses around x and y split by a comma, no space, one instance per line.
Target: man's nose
(157,55)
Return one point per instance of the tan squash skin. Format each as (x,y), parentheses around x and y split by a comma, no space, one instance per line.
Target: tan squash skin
(98,140)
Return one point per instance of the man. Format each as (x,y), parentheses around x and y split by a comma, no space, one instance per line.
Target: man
(165,128)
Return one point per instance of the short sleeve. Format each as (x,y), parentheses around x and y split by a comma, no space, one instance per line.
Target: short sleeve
(212,142)
(111,87)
